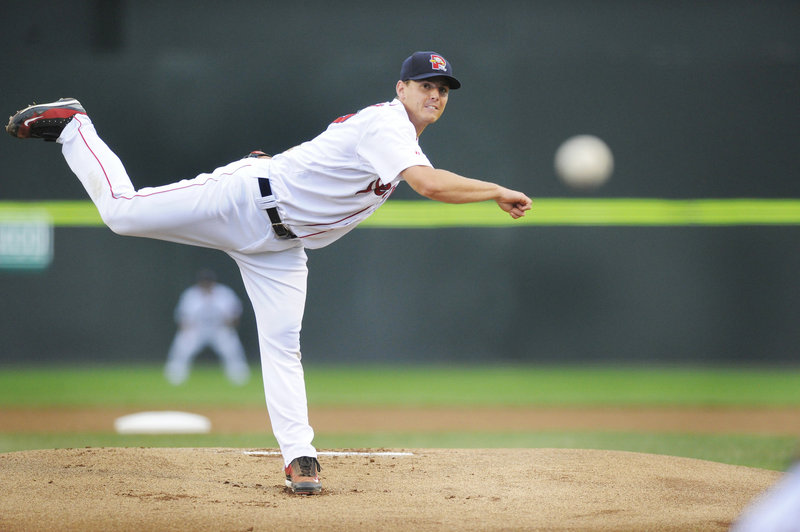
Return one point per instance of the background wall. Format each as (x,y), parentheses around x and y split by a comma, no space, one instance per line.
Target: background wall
(695,100)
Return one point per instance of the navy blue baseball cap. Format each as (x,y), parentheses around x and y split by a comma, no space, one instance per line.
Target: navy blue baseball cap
(422,65)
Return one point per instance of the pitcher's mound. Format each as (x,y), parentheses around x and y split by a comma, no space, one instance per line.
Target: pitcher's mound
(442,489)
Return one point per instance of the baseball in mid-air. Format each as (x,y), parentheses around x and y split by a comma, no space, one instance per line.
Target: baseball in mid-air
(584,162)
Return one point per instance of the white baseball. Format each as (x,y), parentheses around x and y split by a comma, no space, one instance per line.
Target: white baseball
(584,161)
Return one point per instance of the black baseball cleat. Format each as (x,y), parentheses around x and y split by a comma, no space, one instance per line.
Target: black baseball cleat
(302,476)
(44,121)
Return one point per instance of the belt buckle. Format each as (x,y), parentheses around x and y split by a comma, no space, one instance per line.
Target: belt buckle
(282,231)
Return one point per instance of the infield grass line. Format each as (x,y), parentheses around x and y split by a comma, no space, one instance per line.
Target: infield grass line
(762,451)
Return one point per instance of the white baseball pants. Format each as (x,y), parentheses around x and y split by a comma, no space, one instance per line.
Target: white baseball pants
(219,211)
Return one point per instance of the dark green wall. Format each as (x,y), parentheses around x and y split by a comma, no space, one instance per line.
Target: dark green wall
(695,99)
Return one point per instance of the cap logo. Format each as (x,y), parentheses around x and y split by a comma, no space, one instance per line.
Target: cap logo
(438,63)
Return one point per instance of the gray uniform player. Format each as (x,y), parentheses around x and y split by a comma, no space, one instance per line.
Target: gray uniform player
(265,212)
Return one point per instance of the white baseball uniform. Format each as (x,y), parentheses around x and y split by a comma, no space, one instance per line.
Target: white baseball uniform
(206,315)
(322,189)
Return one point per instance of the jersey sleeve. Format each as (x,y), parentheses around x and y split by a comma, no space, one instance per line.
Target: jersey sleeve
(390,146)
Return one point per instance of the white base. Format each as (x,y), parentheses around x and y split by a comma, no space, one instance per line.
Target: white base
(166,422)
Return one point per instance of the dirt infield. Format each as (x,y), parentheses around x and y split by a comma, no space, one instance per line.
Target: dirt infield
(227,489)
(777,421)
(521,489)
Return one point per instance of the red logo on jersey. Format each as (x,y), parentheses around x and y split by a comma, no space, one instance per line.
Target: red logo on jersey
(377,188)
(343,118)
(438,63)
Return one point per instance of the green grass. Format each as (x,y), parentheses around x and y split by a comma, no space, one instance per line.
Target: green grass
(143,387)
(134,386)
(554,386)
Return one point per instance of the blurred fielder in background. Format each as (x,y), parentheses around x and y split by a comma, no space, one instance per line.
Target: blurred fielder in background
(264,212)
(207,316)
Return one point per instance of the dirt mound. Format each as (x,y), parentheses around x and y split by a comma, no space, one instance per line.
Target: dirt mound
(442,489)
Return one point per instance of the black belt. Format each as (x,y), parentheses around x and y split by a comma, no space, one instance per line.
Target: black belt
(271,206)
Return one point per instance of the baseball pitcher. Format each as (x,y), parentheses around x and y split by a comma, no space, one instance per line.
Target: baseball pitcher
(266,212)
